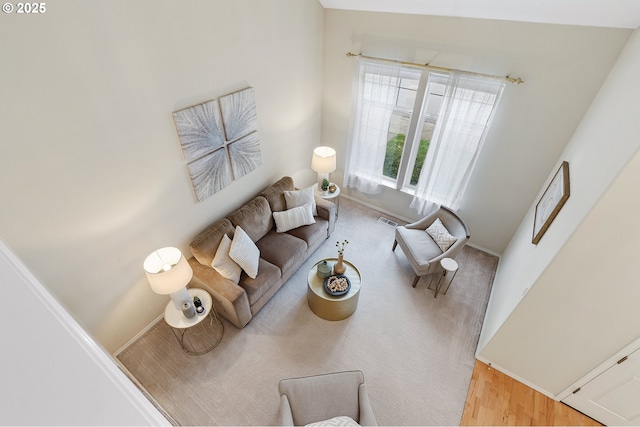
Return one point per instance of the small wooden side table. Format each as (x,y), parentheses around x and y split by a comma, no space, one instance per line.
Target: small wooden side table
(330,196)
(198,334)
(449,267)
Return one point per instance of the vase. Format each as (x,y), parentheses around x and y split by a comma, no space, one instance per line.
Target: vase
(339,268)
(188,309)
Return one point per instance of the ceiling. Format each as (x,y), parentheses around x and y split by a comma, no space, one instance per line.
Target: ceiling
(595,13)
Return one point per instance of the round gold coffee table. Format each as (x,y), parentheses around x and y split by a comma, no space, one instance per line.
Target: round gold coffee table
(329,307)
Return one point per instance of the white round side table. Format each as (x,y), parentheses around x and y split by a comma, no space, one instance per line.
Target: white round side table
(327,195)
(449,268)
(198,334)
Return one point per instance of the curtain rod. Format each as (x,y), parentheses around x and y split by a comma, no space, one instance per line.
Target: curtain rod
(515,81)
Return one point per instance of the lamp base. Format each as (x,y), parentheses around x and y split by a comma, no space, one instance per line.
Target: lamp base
(322,177)
(180,297)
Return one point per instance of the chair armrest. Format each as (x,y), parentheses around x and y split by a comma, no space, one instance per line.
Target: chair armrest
(366,413)
(286,417)
(425,222)
(229,299)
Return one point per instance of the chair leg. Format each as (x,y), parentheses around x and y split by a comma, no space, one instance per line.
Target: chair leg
(415,281)
(395,243)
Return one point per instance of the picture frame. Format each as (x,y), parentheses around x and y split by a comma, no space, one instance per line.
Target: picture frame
(552,200)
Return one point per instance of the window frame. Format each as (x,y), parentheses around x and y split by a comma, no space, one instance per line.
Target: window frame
(417,119)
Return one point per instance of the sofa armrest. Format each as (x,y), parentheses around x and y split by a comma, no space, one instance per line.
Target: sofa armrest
(229,299)
(327,210)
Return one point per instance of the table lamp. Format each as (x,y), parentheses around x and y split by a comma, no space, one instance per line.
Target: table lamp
(168,272)
(323,162)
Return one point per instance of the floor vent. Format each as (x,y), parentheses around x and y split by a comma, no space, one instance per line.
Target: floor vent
(387,221)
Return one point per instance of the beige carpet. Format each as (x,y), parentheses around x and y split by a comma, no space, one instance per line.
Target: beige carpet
(416,352)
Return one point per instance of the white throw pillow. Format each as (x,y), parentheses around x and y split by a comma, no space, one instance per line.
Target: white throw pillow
(293,218)
(245,252)
(223,263)
(441,235)
(335,421)
(300,197)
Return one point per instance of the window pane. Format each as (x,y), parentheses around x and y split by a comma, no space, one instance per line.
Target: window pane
(395,143)
(407,93)
(425,139)
(399,123)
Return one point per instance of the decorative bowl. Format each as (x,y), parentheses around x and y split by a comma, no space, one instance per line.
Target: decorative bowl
(327,282)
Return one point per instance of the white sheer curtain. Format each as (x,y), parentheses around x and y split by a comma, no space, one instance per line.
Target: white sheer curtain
(459,133)
(375,92)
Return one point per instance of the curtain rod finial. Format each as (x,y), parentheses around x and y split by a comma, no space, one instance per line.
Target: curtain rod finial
(515,81)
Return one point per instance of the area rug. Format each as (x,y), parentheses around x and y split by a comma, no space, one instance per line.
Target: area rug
(416,351)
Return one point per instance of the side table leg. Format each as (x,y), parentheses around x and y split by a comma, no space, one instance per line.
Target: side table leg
(444,273)
(450,281)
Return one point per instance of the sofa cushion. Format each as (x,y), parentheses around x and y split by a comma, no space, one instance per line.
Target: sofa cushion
(275,193)
(282,250)
(301,197)
(255,288)
(311,233)
(223,263)
(293,218)
(254,218)
(205,245)
(245,252)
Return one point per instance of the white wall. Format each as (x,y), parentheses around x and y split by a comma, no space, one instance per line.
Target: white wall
(581,307)
(93,175)
(52,372)
(563,68)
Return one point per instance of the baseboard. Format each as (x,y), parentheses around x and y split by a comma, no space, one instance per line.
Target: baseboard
(138,335)
(480,248)
(376,208)
(517,378)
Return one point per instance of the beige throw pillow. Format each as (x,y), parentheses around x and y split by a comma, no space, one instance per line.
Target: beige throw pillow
(244,252)
(441,235)
(293,218)
(300,197)
(223,263)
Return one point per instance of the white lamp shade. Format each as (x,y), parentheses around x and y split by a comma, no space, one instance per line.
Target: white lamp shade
(323,160)
(167,271)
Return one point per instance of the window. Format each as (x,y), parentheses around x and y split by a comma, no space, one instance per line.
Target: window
(418,131)
(416,104)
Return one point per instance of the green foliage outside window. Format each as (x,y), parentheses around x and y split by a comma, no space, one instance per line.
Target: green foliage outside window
(394,153)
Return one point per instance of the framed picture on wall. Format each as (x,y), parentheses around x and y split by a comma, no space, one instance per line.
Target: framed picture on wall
(552,200)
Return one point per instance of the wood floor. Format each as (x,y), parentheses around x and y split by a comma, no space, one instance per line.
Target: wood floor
(495,399)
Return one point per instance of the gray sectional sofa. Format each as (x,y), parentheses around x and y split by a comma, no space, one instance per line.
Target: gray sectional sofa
(281,253)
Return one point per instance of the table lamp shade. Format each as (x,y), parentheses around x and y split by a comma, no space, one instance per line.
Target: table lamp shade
(167,271)
(323,160)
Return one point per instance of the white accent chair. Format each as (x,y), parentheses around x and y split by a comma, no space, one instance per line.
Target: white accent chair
(421,250)
(311,399)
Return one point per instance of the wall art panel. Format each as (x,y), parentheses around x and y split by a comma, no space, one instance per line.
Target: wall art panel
(245,155)
(210,174)
(239,114)
(199,129)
